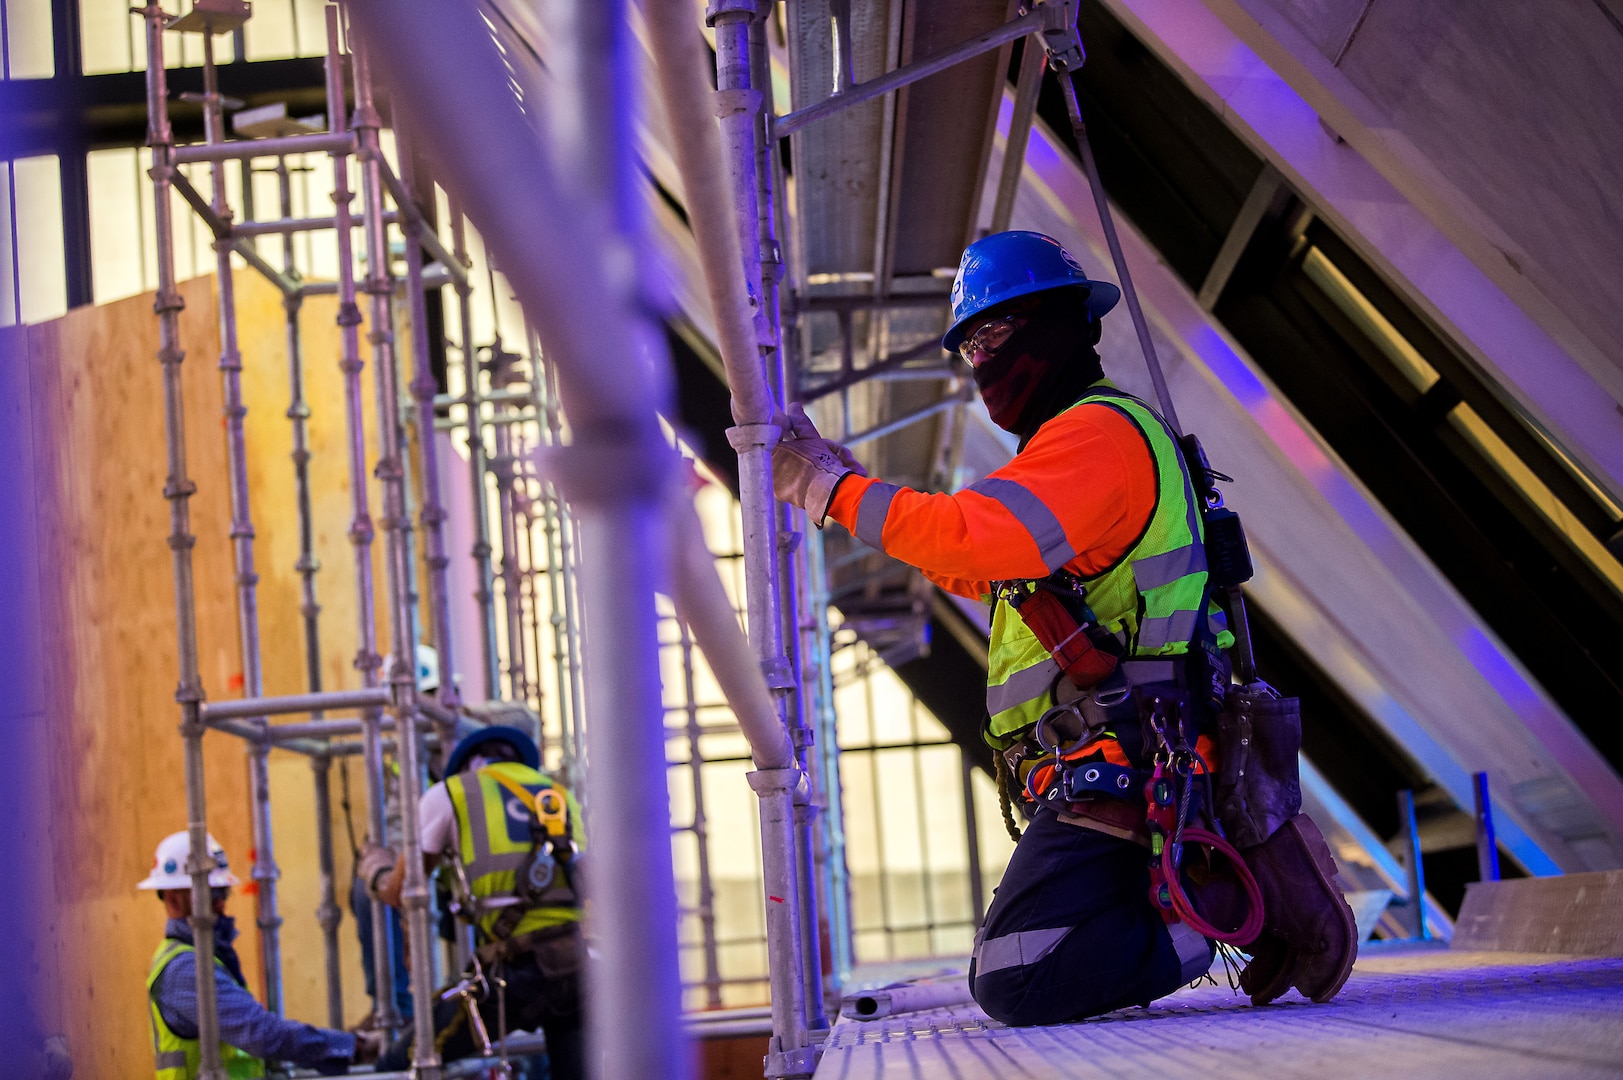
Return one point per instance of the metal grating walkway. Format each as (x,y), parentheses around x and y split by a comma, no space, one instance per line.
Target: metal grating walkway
(1411,1012)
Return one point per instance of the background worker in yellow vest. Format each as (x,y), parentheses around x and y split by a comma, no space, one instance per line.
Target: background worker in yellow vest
(250,1035)
(511,838)
(1090,547)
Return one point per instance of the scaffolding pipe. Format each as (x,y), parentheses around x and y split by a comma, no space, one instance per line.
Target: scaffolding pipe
(729,241)
(558,588)
(367,660)
(1026,90)
(701,826)
(504,467)
(485,588)
(265,872)
(839,887)
(433,516)
(566,562)
(789,554)
(391,471)
(328,914)
(298,414)
(178,489)
(1036,21)
(259,707)
(616,470)
(703,604)
(216,151)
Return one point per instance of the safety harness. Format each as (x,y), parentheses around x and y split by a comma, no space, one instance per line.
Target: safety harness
(544,877)
(1114,712)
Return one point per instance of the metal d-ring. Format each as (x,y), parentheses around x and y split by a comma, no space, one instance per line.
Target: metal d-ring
(1040,731)
(1112,697)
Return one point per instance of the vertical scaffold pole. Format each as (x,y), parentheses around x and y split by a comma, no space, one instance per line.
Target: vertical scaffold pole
(328,914)
(505,468)
(561,580)
(484,590)
(414,896)
(795,972)
(367,660)
(836,873)
(178,489)
(617,480)
(265,872)
(423,387)
(781,376)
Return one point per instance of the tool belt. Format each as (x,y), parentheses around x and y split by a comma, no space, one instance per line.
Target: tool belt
(556,950)
(1091,744)
(1113,817)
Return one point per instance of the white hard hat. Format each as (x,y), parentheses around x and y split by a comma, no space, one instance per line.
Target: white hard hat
(428,667)
(169,865)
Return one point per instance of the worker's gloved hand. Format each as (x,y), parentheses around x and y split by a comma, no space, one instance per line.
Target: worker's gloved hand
(376,862)
(806,468)
(368,1045)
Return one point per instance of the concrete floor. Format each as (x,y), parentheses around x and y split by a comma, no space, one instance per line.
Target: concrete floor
(1407,1011)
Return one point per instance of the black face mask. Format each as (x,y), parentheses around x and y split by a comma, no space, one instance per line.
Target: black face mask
(1042,370)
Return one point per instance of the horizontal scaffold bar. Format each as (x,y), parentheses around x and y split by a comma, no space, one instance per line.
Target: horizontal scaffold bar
(325,143)
(1036,21)
(369,698)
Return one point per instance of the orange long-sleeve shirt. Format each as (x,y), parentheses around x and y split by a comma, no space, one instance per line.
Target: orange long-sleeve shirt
(1078,496)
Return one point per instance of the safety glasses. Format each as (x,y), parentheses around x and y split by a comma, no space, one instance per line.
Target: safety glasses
(989,338)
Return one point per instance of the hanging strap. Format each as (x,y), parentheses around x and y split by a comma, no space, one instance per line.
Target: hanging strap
(550,808)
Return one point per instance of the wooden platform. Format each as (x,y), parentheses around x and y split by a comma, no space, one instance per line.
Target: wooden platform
(1407,1011)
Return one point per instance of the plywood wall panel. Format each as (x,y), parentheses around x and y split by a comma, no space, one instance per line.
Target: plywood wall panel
(94,407)
(115,775)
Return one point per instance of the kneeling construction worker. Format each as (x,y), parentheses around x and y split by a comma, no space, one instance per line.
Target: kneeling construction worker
(511,839)
(250,1035)
(1107,668)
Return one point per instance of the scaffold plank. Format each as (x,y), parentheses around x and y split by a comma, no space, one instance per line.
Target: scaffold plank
(1413,1012)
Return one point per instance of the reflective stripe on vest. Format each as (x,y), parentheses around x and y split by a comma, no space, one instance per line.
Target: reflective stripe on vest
(493,839)
(175,1058)
(1149,599)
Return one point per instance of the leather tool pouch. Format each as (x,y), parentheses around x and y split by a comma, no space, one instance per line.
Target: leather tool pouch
(1259,784)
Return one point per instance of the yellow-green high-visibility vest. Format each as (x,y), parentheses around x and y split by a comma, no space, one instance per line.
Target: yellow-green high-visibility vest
(493,841)
(178,1059)
(1150,598)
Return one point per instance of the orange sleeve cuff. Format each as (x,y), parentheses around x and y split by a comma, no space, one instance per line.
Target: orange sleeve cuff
(847,497)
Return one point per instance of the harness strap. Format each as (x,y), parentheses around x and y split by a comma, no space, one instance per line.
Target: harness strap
(550,808)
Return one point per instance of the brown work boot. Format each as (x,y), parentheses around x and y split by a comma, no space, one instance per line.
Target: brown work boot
(1268,975)
(1305,909)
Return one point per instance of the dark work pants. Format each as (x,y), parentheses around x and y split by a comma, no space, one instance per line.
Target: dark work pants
(1071,932)
(361,905)
(534,1002)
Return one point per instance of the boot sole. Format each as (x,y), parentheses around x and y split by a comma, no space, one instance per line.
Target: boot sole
(1278,982)
(1324,865)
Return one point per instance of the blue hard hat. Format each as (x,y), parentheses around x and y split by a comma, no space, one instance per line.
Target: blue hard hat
(512,736)
(1007,265)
